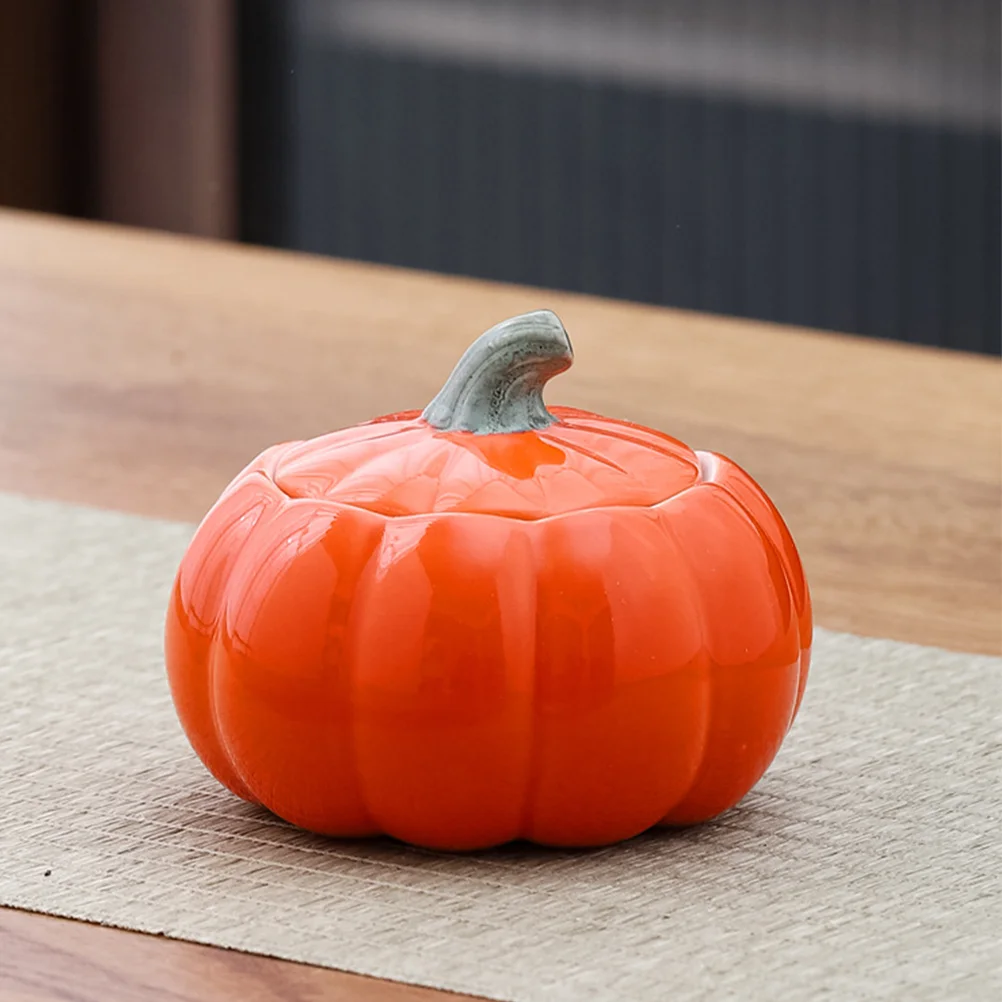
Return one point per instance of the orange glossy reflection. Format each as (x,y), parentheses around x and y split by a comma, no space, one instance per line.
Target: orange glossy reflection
(567,635)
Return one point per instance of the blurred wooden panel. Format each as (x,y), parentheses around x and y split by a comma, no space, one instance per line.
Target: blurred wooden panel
(165,131)
(42,166)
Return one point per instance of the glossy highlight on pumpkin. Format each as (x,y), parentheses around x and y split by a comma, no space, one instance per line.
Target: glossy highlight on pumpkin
(568,633)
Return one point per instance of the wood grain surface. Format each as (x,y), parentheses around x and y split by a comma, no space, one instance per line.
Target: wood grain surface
(164,121)
(140,372)
(48,959)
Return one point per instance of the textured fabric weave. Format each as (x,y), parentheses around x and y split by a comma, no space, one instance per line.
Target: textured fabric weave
(866,863)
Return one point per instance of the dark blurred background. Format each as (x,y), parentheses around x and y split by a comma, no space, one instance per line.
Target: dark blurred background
(829,163)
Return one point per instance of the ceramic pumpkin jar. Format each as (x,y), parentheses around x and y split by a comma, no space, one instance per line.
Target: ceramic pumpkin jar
(490,620)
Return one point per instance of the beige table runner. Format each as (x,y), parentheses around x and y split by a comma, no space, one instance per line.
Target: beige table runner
(865,865)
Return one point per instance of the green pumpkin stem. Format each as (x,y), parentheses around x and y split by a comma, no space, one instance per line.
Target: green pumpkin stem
(497,386)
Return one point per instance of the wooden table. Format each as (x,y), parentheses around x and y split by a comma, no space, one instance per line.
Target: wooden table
(140,371)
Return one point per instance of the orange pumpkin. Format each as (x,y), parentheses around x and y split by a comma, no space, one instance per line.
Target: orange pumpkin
(490,621)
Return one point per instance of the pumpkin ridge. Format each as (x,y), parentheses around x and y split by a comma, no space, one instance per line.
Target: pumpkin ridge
(588,453)
(196,673)
(511,516)
(302,458)
(613,428)
(532,779)
(217,646)
(348,651)
(704,654)
(724,675)
(363,470)
(376,426)
(794,575)
(214,649)
(403,472)
(794,611)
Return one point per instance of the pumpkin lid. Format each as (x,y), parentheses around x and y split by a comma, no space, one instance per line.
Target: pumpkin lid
(488,444)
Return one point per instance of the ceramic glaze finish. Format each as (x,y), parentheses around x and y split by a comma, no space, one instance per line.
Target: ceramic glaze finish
(398,466)
(458,639)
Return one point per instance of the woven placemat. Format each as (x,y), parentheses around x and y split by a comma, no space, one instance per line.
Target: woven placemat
(866,864)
